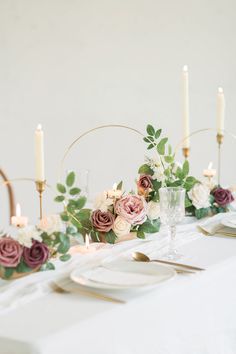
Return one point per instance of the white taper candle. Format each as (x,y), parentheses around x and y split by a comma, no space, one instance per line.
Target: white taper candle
(186,142)
(220,111)
(39,154)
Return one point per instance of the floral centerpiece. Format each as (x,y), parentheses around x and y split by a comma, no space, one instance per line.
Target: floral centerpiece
(114,216)
(163,171)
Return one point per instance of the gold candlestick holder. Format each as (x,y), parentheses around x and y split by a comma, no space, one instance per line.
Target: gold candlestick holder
(219,139)
(186,152)
(40,187)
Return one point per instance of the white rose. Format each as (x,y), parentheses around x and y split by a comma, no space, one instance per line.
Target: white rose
(51,224)
(121,227)
(26,235)
(199,195)
(153,210)
(102,202)
(159,174)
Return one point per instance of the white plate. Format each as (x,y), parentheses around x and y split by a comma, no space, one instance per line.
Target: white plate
(228,222)
(144,274)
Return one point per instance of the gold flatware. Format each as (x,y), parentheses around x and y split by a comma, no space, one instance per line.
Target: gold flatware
(141,257)
(65,290)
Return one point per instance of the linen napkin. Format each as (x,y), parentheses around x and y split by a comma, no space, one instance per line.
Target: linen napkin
(115,277)
(214,226)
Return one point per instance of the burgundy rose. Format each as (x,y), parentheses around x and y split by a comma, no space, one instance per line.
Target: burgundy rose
(222,196)
(36,255)
(10,252)
(144,183)
(103,221)
(132,208)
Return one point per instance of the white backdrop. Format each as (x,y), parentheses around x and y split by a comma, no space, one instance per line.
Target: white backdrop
(75,64)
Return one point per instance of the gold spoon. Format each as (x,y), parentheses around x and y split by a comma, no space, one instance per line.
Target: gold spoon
(141,257)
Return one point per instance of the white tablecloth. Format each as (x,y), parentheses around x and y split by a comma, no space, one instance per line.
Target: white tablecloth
(193,314)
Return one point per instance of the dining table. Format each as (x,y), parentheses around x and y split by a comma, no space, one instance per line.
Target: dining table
(190,313)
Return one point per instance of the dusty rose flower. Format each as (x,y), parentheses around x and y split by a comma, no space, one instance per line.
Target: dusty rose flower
(222,196)
(132,208)
(10,252)
(37,255)
(145,182)
(102,221)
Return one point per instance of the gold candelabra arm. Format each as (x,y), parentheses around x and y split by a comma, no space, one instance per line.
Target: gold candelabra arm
(40,187)
(219,139)
(186,152)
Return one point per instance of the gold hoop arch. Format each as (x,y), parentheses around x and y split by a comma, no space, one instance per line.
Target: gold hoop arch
(88,132)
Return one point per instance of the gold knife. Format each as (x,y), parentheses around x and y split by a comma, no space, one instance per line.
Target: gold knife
(177,264)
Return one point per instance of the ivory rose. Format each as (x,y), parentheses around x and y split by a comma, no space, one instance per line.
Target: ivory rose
(199,195)
(51,223)
(132,208)
(121,227)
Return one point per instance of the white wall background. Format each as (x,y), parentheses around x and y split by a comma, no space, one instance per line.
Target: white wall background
(76,64)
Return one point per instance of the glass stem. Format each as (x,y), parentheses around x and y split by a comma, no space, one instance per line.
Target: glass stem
(172,239)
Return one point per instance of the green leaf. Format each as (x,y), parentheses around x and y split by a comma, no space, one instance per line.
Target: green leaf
(185,168)
(158,133)
(146,140)
(202,213)
(8,272)
(23,268)
(120,185)
(150,226)
(71,230)
(150,130)
(161,146)
(156,185)
(179,173)
(110,237)
(64,245)
(65,257)
(95,236)
(50,266)
(140,234)
(70,179)
(75,191)
(188,202)
(169,150)
(61,188)
(80,203)
(151,146)
(59,198)
(150,138)
(146,170)
(64,217)
(169,159)
(84,214)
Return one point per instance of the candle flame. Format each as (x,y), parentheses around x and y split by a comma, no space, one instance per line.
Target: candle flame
(185,68)
(18,210)
(114,187)
(39,127)
(87,242)
(210,165)
(220,90)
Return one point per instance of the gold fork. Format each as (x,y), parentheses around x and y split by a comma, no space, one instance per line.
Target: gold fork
(61,290)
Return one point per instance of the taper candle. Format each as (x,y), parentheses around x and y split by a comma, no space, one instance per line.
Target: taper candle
(186,142)
(39,154)
(220,111)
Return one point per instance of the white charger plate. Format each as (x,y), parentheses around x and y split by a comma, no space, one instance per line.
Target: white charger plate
(228,222)
(159,273)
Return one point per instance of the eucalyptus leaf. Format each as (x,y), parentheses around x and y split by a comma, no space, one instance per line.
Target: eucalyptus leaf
(145,169)
(80,203)
(185,168)
(8,272)
(158,133)
(59,198)
(150,130)
(64,217)
(110,237)
(150,226)
(120,185)
(140,234)
(65,257)
(61,188)
(70,179)
(74,191)
(161,146)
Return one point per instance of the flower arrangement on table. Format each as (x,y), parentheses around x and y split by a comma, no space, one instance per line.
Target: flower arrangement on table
(31,248)
(116,214)
(201,200)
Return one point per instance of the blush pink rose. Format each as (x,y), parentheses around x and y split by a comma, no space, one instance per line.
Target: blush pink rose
(132,208)
(10,252)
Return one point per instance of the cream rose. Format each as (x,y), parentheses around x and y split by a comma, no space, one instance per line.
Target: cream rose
(199,195)
(121,227)
(153,210)
(51,223)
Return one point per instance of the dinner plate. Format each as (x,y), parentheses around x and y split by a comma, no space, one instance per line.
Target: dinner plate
(122,275)
(230,222)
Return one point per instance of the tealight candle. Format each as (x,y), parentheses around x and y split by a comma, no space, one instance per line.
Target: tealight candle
(87,248)
(18,220)
(209,172)
(114,193)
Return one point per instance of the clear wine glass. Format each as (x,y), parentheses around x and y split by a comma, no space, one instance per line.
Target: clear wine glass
(172,211)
